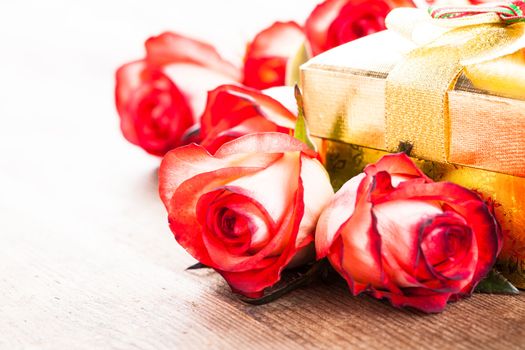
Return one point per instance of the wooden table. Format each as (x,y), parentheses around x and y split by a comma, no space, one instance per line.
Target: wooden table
(86,257)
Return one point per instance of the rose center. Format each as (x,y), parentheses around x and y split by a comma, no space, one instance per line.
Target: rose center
(232,226)
(162,110)
(446,244)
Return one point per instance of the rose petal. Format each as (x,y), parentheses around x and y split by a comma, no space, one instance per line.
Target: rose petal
(335,22)
(127,81)
(397,224)
(399,166)
(318,192)
(182,214)
(232,111)
(339,210)
(317,24)
(488,237)
(260,259)
(252,283)
(361,258)
(228,98)
(285,96)
(153,112)
(268,55)
(196,67)
(438,191)
(168,48)
(185,162)
(216,246)
(264,142)
(278,178)
(216,139)
(448,272)
(195,81)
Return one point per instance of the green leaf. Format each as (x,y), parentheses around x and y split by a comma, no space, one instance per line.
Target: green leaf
(496,283)
(301,128)
(197,266)
(290,281)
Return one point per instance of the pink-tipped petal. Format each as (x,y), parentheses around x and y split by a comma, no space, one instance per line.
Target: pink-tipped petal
(268,55)
(338,211)
(168,48)
(264,142)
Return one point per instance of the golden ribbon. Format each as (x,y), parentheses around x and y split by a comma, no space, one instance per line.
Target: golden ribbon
(416,89)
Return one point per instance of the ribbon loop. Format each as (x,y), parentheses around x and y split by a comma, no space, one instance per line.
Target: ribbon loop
(504,12)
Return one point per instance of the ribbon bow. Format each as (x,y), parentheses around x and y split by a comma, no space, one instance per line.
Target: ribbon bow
(501,12)
(447,41)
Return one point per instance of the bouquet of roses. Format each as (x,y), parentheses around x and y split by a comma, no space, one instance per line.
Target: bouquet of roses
(247,195)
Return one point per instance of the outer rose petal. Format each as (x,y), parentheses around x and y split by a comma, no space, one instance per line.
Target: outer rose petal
(268,142)
(400,236)
(268,55)
(192,181)
(488,236)
(127,80)
(153,112)
(319,21)
(159,97)
(186,162)
(182,214)
(285,96)
(318,24)
(280,176)
(397,165)
(311,172)
(196,66)
(336,213)
(233,111)
(168,48)
(318,192)
(252,283)
(398,227)
(361,243)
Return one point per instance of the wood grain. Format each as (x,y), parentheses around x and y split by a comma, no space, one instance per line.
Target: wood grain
(86,257)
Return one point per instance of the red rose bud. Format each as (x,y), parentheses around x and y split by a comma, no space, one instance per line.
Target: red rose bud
(336,22)
(233,111)
(393,232)
(248,211)
(160,96)
(267,56)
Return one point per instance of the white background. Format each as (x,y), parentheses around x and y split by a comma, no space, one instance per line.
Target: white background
(57,63)
(84,242)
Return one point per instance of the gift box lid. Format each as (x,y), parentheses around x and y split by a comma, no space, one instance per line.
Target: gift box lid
(345,91)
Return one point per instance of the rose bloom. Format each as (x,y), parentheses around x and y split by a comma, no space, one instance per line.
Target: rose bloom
(393,232)
(268,55)
(233,111)
(248,211)
(336,22)
(162,95)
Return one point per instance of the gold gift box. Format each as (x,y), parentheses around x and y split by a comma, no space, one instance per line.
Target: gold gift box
(344,100)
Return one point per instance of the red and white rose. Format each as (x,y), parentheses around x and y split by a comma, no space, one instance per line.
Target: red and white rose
(159,97)
(233,111)
(395,233)
(269,54)
(248,211)
(336,22)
